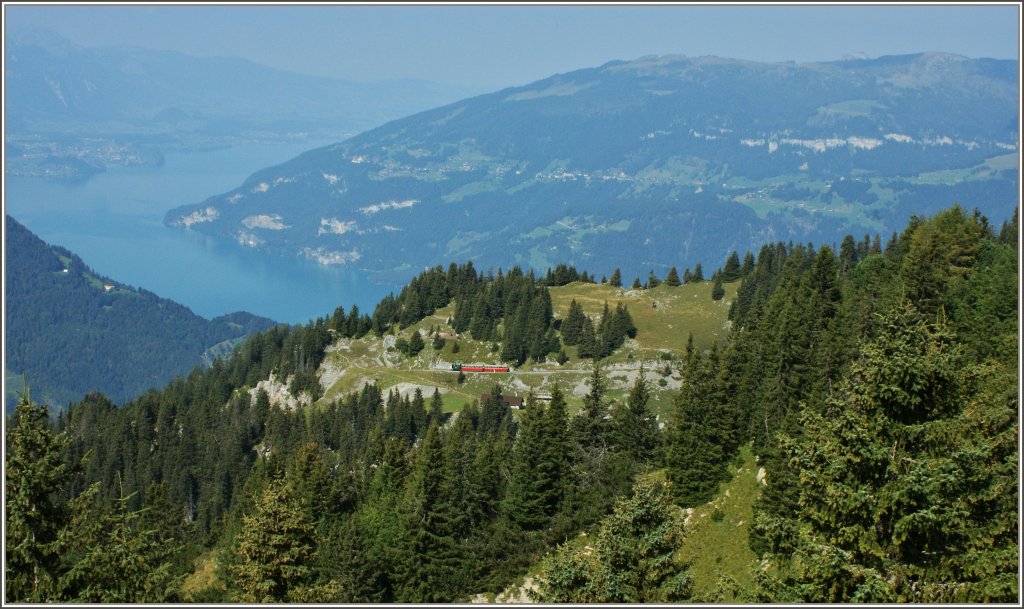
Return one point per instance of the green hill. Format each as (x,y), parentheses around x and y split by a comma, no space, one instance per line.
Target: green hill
(664,317)
(70,330)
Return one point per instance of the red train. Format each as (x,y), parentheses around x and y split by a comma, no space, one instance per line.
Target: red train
(457,367)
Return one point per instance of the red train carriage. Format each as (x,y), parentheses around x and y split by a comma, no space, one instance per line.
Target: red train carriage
(476,368)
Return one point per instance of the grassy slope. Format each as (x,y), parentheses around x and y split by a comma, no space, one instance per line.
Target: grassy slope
(716,547)
(720,548)
(664,317)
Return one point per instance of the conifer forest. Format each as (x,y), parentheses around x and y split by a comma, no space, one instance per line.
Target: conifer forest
(875,382)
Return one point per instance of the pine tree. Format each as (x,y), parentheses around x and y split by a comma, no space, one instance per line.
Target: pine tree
(481,326)
(1008,232)
(635,425)
(572,325)
(463,312)
(345,557)
(309,477)
(607,338)
(717,291)
(698,274)
(588,346)
(937,252)
(275,551)
(429,573)
(600,472)
(34,476)
(748,264)
(696,458)
(616,279)
(111,558)
(527,503)
(623,325)
(633,559)
(652,279)
(876,245)
(636,284)
(437,407)
(416,344)
(557,447)
(381,516)
(590,428)
(672,279)
(898,478)
(731,271)
(847,255)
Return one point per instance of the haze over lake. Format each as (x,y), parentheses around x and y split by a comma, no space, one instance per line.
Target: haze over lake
(114,221)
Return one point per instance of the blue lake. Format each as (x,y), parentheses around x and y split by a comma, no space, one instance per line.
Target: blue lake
(114,222)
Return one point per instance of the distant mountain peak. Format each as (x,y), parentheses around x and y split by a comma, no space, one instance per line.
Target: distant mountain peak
(31,35)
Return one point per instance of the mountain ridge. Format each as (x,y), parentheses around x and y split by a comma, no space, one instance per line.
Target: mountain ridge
(66,103)
(599,159)
(70,330)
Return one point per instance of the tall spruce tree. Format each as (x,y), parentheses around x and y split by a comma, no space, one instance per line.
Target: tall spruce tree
(572,325)
(748,264)
(905,476)
(430,570)
(34,477)
(437,407)
(696,457)
(937,253)
(635,425)
(345,557)
(557,448)
(616,279)
(534,484)
(275,551)
(731,271)
(588,345)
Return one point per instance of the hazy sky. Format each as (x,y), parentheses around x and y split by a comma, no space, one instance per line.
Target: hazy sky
(494,46)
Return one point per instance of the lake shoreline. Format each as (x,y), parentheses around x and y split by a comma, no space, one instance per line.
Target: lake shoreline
(114,222)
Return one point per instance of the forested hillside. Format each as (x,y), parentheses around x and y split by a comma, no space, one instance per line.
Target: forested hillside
(70,330)
(877,384)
